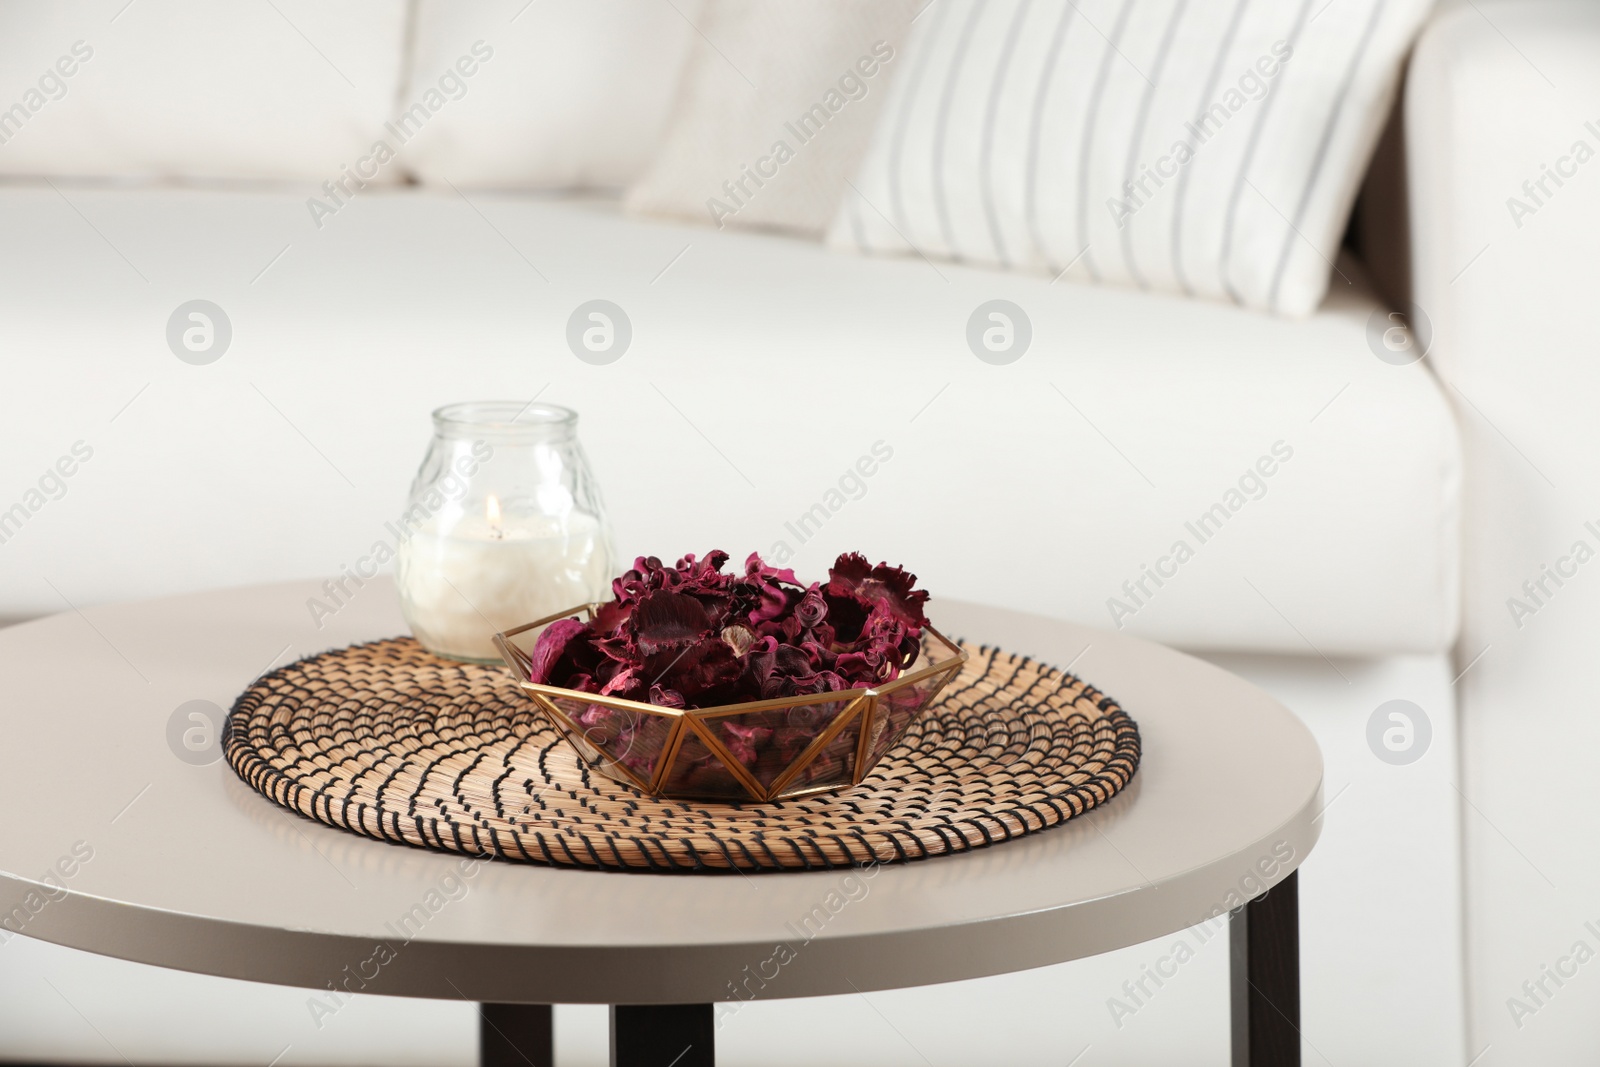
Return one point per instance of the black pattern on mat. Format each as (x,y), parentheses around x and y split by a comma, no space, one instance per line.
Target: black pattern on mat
(385,740)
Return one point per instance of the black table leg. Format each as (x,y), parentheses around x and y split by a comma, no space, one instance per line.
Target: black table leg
(662,1035)
(1264,939)
(515,1035)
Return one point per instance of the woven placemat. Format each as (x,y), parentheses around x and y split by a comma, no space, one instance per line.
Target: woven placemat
(386,740)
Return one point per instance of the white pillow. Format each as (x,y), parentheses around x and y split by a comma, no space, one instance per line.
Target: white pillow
(196,89)
(1073,137)
(777,106)
(575,95)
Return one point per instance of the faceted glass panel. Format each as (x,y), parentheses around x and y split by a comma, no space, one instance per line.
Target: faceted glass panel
(697,772)
(766,743)
(634,739)
(589,753)
(898,704)
(835,764)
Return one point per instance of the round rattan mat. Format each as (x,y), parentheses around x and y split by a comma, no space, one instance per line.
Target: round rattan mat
(386,740)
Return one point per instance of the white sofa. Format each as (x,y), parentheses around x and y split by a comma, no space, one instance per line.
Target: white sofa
(285,457)
(760,368)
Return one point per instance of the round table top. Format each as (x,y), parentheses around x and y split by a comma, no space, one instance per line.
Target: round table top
(118,845)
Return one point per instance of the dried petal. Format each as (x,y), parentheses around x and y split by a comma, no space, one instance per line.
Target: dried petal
(666,619)
(666,698)
(550,646)
(811,609)
(894,586)
(738,637)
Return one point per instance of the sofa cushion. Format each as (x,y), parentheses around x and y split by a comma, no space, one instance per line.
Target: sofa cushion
(777,106)
(1202,148)
(576,96)
(774,396)
(185,89)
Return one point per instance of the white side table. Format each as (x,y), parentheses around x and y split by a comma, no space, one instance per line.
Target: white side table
(191,869)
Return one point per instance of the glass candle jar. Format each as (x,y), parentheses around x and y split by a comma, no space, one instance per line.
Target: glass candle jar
(504,525)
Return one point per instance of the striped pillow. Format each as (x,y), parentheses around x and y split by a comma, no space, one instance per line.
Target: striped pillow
(1206,147)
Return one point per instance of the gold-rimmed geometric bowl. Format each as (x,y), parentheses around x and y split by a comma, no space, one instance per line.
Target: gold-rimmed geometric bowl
(760,750)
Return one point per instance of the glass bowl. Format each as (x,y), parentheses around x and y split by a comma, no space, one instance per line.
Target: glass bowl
(761,750)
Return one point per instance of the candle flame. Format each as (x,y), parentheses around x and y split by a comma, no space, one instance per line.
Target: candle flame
(491,511)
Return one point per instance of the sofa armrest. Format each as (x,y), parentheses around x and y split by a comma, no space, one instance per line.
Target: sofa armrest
(1502,153)
(1502,161)
(1502,156)
(1498,141)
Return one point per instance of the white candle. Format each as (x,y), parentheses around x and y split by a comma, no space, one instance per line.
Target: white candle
(487,573)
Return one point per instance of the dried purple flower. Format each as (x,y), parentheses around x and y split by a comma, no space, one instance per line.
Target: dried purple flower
(690,636)
(811,609)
